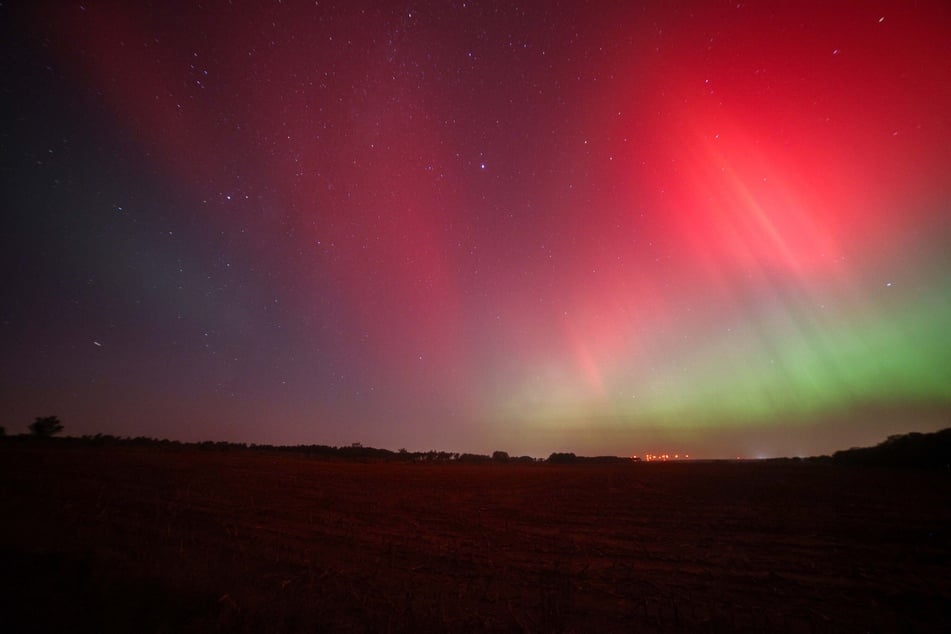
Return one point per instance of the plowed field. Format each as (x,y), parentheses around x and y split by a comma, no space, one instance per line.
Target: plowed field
(132,539)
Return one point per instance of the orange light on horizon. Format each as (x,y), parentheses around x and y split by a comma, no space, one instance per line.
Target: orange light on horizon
(664,457)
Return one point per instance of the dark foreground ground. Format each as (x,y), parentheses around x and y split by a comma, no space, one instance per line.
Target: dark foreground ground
(127,539)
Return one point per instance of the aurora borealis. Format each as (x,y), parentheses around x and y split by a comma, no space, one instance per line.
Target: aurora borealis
(718,228)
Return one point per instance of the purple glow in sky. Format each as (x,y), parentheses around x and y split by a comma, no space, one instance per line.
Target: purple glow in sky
(709,228)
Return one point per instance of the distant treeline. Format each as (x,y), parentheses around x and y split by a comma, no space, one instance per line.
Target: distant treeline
(570,458)
(355,452)
(929,451)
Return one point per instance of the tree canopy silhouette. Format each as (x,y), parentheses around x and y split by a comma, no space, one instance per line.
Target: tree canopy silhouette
(931,450)
(45,426)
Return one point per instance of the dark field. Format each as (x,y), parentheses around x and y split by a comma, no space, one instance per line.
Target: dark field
(131,539)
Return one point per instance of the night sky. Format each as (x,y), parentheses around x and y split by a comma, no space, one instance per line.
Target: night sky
(716,228)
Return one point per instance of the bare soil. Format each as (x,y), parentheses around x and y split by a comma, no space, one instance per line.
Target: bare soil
(138,540)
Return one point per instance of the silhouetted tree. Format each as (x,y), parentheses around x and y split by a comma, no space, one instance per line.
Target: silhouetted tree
(45,426)
(500,456)
(473,458)
(931,450)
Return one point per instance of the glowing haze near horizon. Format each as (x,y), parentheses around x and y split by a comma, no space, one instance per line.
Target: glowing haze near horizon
(717,228)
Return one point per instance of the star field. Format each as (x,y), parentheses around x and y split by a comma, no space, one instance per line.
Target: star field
(717,228)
